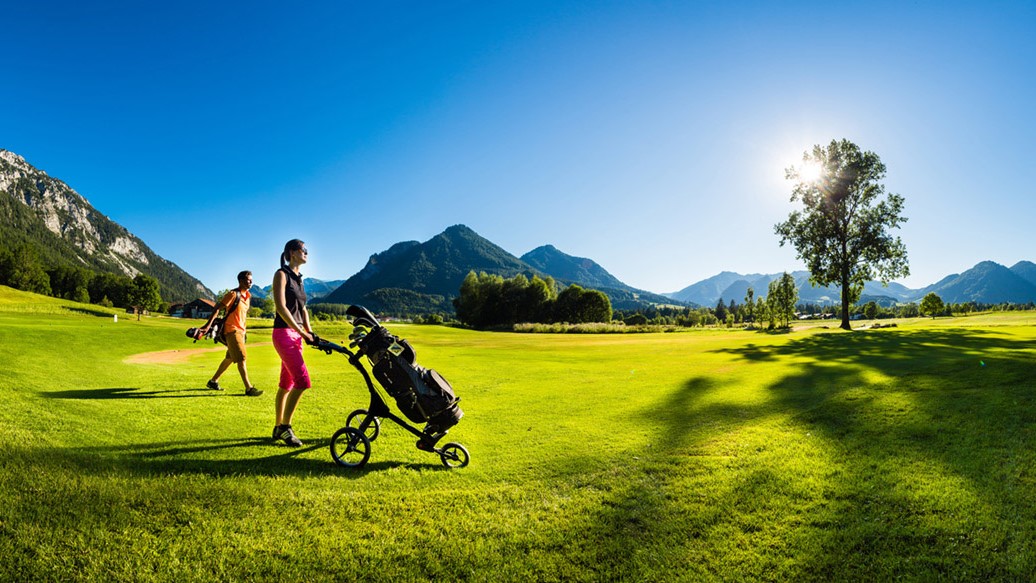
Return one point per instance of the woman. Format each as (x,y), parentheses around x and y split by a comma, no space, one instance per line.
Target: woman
(290,329)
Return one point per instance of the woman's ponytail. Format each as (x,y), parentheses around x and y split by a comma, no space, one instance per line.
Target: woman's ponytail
(293,245)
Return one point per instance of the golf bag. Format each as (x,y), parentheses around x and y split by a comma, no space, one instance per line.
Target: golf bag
(421,394)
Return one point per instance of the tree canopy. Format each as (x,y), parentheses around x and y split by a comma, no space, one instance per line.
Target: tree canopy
(932,305)
(781,299)
(490,301)
(843,230)
(144,295)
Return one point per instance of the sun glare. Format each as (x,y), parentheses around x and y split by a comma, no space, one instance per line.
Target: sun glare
(810,171)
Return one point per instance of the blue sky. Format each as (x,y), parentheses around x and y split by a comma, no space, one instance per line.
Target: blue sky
(648,136)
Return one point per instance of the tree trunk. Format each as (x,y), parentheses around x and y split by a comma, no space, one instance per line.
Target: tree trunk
(845,305)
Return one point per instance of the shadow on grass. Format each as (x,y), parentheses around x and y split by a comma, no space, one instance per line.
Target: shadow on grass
(896,415)
(252,456)
(130,393)
(89,312)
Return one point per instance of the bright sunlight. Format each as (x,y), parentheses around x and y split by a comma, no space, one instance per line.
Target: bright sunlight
(810,171)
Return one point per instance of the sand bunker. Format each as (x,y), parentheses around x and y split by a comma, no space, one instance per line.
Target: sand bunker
(178,356)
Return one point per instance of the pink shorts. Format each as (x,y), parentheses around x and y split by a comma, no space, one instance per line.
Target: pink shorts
(288,344)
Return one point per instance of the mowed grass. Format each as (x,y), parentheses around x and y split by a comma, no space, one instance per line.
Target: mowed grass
(903,453)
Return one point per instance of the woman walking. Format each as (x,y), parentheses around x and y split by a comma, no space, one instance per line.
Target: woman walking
(290,328)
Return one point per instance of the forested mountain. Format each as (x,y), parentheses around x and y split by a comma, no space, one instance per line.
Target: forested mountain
(63,228)
(1026,270)
(988,283)
(412,277)
(586,273)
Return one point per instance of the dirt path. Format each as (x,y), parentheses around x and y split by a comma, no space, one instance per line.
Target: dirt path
(178,356)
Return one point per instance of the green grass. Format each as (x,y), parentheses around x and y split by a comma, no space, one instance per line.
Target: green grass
(903,453)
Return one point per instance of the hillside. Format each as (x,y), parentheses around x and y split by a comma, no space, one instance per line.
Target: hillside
(47,214)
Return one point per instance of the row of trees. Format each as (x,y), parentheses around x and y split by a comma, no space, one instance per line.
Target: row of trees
(22,268)
(490,301)
(758,311)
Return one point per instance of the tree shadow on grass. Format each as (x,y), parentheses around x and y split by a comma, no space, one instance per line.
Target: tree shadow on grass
(130,393)
(885,410)
(905,411)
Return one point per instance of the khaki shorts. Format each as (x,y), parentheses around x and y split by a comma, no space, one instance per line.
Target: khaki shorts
(236,346)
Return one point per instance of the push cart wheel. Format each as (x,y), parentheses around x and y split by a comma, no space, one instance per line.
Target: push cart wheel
(453,455)
(357,416)
(350,448)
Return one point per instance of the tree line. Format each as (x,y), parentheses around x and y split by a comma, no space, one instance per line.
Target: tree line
(491,301)
(22,268)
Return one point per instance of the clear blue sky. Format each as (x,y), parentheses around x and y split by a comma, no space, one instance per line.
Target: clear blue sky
(648,136)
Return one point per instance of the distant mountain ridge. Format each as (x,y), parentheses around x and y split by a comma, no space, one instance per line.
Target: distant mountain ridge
(548,259)
(413,277)
(987,282)
(316,289)
(47,214)
(567,269)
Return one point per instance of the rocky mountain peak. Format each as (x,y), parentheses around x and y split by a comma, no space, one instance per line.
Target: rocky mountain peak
(82,236)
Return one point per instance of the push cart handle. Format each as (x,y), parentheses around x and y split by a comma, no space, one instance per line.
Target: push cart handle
(329,347)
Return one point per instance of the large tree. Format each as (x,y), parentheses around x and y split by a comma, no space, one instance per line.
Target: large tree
(781,299)
(931,305)
(843,230)
(144,295)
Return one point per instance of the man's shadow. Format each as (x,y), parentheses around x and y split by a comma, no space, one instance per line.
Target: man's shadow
(130,393)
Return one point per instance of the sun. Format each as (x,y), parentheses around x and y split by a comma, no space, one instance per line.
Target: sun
(810,171)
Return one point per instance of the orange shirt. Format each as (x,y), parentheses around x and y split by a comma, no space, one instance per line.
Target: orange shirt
(236,320)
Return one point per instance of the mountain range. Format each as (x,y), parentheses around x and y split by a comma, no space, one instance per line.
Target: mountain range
(986,282)
(315,289)
(45,213)
(416,277)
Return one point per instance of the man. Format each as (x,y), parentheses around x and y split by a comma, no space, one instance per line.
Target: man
(236,302)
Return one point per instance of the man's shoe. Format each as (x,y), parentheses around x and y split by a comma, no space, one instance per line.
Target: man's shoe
(214,386)
(252,392)
(288,436)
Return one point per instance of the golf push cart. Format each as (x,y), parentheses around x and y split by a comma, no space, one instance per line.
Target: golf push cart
(421,395)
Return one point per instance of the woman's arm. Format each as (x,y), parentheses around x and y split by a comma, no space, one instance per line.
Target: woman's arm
(305,319)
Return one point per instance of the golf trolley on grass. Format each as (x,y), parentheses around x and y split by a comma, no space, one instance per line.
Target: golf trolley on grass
(422,395)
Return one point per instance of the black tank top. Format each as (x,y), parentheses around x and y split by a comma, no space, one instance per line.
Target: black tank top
(294,299)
